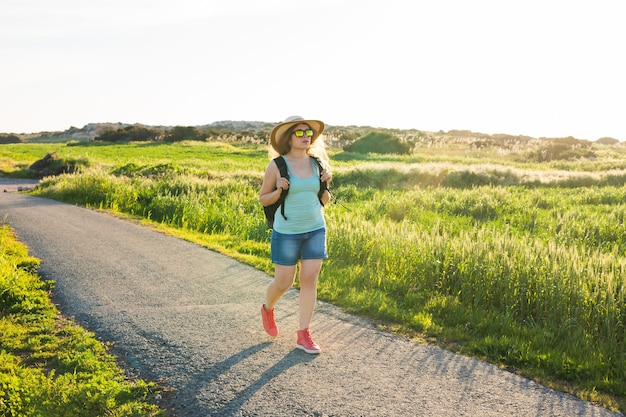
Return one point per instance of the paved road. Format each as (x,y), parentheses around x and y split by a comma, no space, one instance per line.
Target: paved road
(190,317)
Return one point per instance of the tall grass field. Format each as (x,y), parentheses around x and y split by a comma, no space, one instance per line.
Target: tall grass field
(488,254)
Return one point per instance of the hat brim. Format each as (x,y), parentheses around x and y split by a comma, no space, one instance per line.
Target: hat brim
(279,138)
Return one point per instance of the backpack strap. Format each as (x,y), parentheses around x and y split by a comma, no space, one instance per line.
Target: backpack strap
(282,168)
(323,184)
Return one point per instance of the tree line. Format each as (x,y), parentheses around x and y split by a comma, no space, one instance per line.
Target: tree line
(6,139)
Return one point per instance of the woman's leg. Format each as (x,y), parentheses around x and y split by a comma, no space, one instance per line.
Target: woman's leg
(283,280)
(309,272)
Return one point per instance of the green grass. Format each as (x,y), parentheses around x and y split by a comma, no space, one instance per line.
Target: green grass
(48,365)
(497,257)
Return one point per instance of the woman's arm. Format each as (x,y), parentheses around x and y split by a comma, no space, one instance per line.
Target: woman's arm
(273,184)
(325,197)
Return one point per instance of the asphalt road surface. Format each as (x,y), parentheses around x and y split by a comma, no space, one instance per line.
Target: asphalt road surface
(189,318)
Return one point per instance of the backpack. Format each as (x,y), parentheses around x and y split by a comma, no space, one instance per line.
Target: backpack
(270,211)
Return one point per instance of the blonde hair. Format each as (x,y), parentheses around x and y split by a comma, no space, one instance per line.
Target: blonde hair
(316,149)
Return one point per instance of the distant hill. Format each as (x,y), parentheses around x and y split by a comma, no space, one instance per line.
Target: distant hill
(92,130)
(335,134)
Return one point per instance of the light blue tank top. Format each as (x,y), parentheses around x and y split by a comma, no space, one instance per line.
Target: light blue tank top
(303,209)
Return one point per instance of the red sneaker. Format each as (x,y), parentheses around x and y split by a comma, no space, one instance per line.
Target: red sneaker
(268,321)
(306,343)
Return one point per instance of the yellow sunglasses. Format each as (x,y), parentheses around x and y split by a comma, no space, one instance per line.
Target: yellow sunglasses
(300,133)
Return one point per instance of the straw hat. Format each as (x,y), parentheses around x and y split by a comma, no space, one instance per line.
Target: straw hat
(280,139)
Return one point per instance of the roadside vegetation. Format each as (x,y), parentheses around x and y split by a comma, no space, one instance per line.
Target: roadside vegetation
(508,249)
(48,365)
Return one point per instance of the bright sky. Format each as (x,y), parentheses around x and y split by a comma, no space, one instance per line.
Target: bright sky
(551,68)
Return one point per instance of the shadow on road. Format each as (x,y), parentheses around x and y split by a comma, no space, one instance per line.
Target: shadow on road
(236,391)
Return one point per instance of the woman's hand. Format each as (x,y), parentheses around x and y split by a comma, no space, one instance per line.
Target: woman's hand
(282,183)
(326,176)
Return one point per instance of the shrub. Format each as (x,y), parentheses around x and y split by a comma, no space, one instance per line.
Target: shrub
(379,142)
(130,133)
(562,149)
(52,164)
(4,139)
(180,133)
(607,141)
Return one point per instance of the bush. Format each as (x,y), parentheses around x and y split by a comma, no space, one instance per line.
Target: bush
(52,164)
(4,139)
(562,150)
(378,142)
(180,133)
(130,133)
(607,141)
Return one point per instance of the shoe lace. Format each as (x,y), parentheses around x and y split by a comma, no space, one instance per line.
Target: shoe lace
(268,316)
(307,337)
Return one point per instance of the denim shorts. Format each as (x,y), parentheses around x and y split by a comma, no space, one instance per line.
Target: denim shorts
(287,249)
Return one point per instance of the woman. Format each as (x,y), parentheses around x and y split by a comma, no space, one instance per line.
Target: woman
(299,235)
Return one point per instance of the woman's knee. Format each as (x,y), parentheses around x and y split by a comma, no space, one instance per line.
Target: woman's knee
(309,272)
(284,276)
